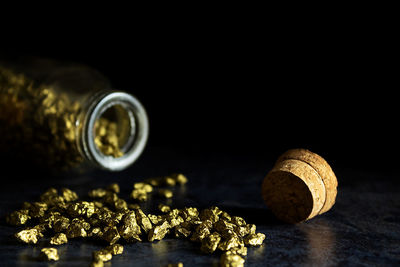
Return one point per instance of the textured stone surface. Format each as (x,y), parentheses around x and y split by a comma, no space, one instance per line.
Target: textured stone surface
(362,228)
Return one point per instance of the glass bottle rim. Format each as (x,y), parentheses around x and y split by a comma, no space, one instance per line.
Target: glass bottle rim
(139,129)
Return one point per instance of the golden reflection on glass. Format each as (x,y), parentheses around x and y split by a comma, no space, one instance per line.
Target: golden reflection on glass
(321,241)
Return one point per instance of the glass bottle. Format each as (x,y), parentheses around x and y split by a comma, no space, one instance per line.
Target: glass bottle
(66,116)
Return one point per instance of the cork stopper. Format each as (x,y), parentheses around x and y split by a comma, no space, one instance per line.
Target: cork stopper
(300,186)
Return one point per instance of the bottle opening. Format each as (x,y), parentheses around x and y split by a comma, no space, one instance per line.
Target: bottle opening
(115,130)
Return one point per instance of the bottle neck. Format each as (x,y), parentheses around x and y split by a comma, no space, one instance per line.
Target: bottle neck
(114,130)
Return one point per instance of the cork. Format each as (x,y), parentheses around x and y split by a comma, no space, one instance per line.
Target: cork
(300,186)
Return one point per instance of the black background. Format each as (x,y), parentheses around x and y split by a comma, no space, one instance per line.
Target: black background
(227,91)
(248,89)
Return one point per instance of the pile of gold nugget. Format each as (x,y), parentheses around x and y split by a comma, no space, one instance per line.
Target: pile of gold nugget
(106,138)
(60,215)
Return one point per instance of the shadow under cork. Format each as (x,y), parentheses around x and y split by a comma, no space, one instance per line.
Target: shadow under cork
(321,240)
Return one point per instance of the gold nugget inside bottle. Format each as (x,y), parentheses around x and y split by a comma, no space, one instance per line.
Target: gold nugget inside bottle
(66,116)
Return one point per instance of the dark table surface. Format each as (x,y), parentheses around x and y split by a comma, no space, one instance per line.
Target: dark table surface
(363,227)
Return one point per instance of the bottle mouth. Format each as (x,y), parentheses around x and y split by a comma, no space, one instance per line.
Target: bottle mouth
(115,130)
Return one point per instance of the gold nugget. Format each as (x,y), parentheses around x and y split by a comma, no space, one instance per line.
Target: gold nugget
(143,186)
(97,193)
(232,241)
(165,193)
(231,260)
(140,191)
(115,249)
(180,178)
(113,188)
(102,255)
(129,230)
(18,217)
(106,138)
(59,239)
(77,228)
(182,232)
(242,251)
(111,235)
(38,209)
(254,239)
(164,208)
(68,195)
(49,254)
(170,180)
(143,220)
(61,224)
(29,236)
(158,232)
(201,231)
(210,243)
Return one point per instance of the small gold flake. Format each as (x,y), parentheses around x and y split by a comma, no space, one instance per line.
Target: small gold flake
(164,208)
(254,239)
(165,193)
(59,239)
(49,254)
(18,217)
